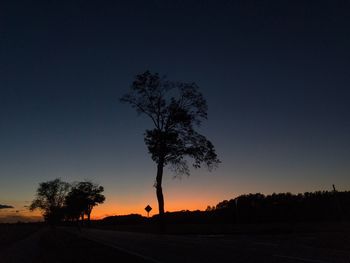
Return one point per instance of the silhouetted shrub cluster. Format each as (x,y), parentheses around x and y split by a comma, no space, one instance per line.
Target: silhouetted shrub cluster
(187,217)
(124,220)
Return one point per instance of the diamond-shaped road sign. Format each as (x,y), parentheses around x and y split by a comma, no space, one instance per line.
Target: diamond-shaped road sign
(148,209)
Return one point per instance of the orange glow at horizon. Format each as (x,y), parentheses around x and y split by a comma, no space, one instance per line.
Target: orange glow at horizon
(110,209)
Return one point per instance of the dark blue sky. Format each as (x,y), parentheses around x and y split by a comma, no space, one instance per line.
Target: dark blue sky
(276,75)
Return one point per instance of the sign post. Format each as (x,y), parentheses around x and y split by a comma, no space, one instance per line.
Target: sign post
(148,209)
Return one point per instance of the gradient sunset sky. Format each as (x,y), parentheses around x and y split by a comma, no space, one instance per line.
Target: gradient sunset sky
(275,74)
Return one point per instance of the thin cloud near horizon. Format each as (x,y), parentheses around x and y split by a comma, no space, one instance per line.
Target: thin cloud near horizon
(6,206)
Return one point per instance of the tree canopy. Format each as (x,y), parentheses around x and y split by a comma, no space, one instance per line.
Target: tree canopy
(176,109)
(50,198)
(82,198)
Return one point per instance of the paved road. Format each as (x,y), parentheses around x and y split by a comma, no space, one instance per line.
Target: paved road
(168,248)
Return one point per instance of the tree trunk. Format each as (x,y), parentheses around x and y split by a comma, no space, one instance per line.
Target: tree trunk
(88,217)
(159,190)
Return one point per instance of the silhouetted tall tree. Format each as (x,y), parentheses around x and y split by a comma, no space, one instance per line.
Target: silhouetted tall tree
(50,198)
(175,109)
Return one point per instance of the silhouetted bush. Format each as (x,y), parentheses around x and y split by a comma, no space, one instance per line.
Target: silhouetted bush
(124,219)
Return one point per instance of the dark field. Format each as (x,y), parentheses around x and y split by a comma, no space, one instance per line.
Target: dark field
(307,242)
(33,243)
(61,246)
(11,233)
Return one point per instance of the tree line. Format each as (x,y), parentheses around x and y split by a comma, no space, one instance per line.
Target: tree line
(283,207)
(62,201)
(319,206)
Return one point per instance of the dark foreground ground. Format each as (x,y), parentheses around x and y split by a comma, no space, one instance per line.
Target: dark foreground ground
(59,246)
(11,233)
(314,243)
